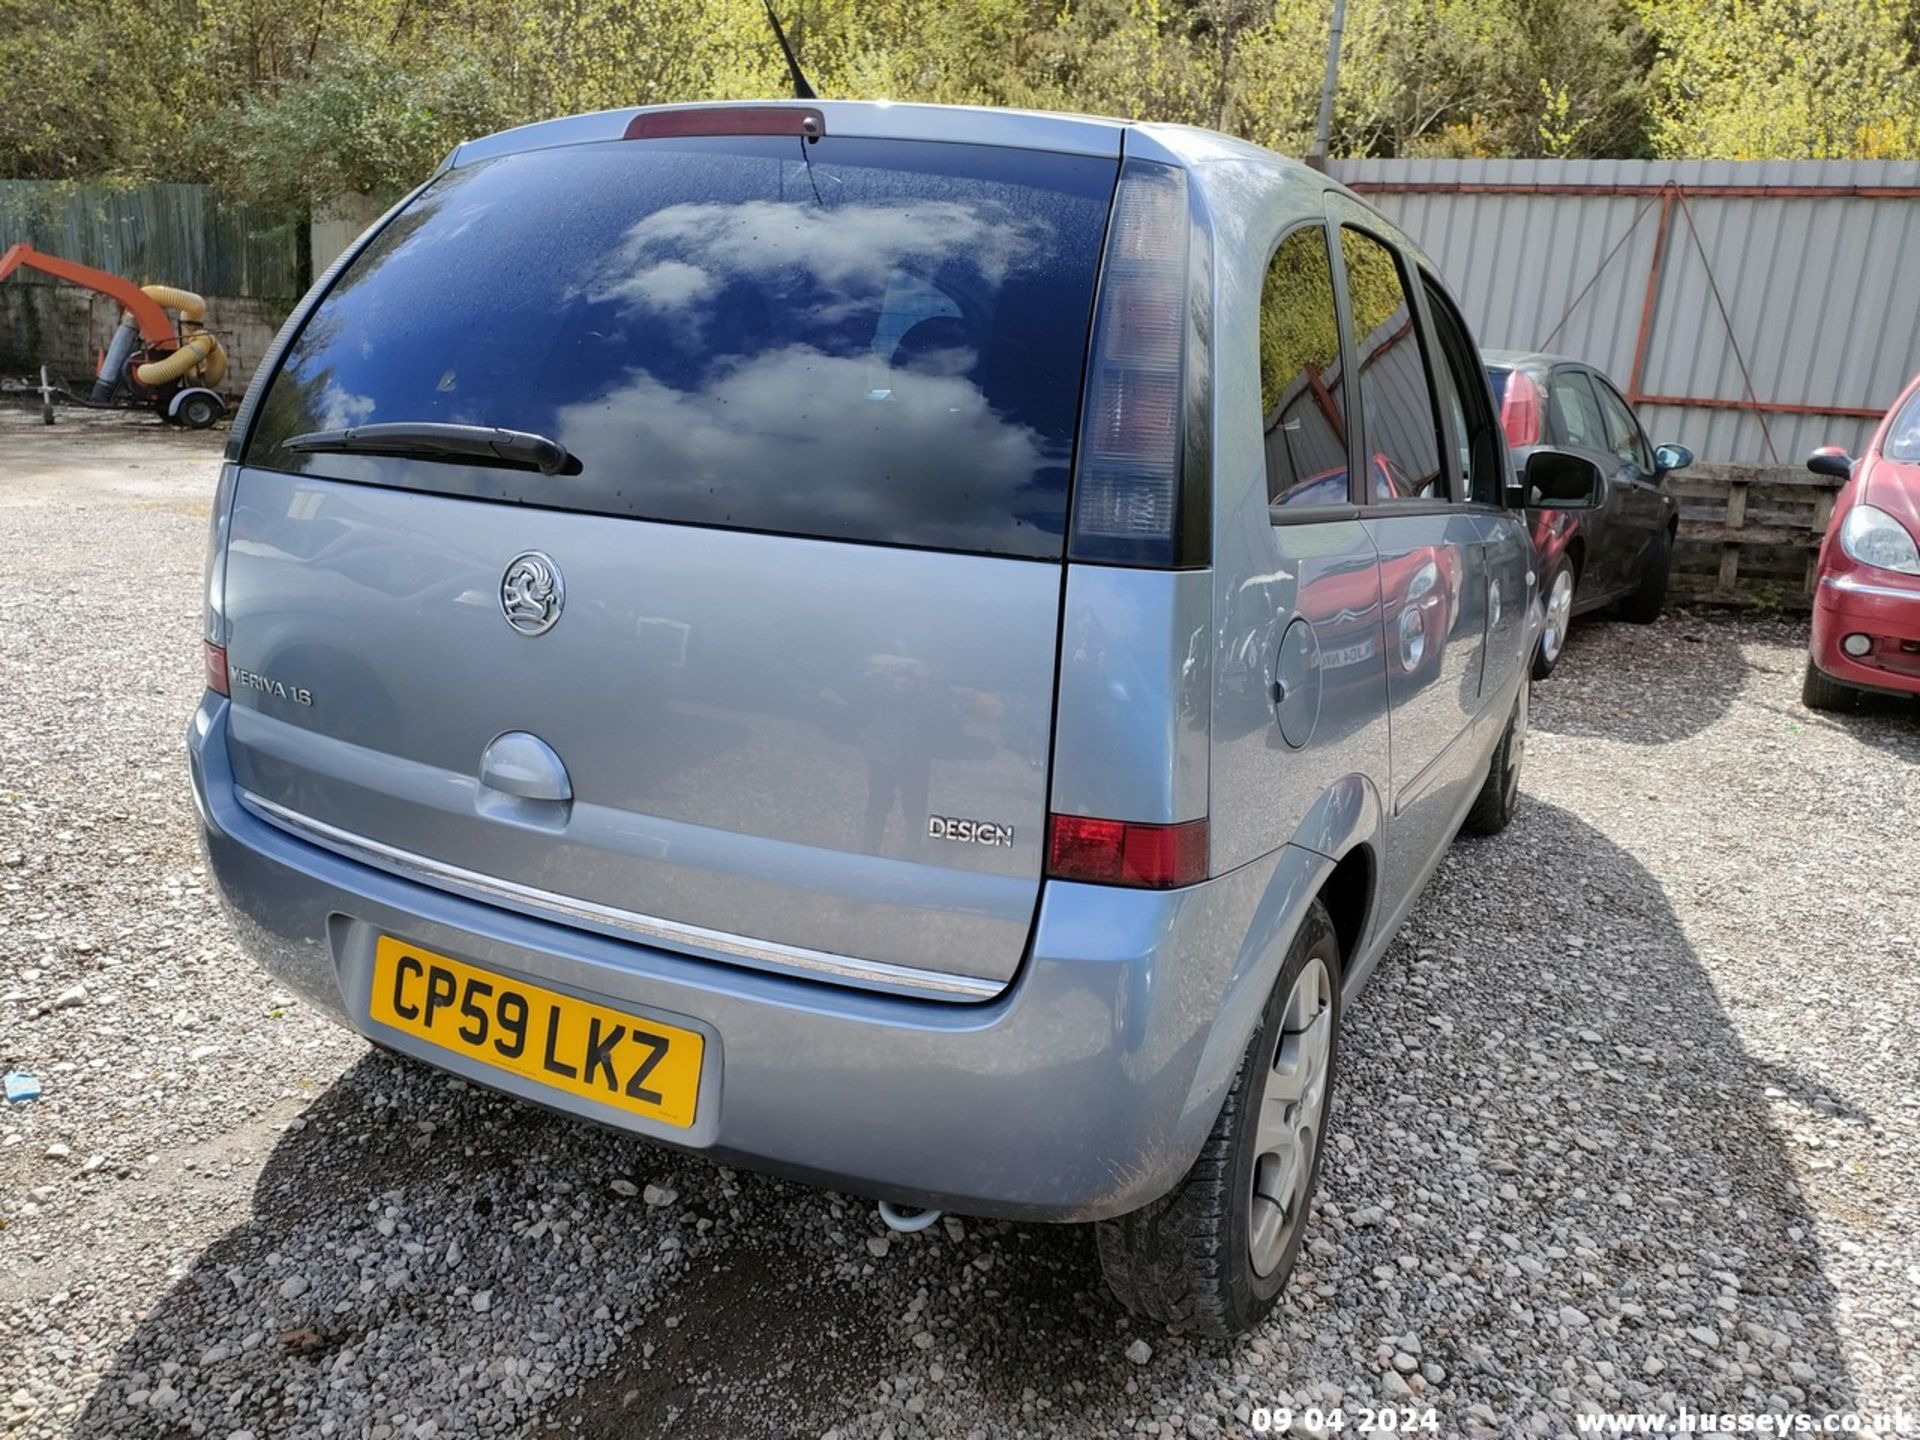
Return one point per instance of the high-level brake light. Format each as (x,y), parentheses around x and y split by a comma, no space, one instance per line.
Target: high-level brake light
(800,120)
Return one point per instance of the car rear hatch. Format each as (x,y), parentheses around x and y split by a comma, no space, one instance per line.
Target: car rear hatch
(751,654)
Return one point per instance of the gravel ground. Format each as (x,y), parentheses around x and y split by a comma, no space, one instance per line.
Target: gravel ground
(1628,1118)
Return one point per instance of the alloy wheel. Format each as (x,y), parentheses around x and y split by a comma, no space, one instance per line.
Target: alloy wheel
(1288,1125)
(1559,615)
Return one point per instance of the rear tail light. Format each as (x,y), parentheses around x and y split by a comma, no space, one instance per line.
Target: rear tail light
(1520,410)
(1121,852)
(214,658)
(213,615)
(1126,499)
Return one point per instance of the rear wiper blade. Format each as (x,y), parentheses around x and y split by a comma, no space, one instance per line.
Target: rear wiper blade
(432,440)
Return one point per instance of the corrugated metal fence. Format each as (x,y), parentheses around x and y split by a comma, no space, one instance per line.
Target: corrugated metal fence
(1752,310)
(183,235)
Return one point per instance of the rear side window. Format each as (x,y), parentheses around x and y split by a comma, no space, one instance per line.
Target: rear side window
(1302,392)
(1476,431)
(1577,411)
(1396,397)
(1624,436)
(874,340)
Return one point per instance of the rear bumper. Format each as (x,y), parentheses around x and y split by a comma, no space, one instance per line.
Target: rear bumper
(1083,1091)
(1888,613)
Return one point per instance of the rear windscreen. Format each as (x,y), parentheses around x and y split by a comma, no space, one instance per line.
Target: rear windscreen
(872,340)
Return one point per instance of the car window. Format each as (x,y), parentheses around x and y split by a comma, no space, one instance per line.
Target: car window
(1302,389)
(1903,435)
(1624,435)
(858,339)
(1576,411)
(1475,430)
(1456,413)
(1396,391)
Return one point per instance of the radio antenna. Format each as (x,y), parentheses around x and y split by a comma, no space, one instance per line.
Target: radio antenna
(802,87)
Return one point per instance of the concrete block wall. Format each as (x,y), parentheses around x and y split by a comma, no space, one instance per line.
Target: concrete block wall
(66,328)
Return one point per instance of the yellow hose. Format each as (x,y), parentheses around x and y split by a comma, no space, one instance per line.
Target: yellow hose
(190,356)
(216,367)
(199,351)
(190,305)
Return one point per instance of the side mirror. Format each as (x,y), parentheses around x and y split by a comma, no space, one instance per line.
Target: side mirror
(1555,480)
(1671,457)
(1831,460)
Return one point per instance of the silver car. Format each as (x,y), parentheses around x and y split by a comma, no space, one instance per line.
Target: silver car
(925,650)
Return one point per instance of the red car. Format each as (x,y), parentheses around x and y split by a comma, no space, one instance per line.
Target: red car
(1866,603)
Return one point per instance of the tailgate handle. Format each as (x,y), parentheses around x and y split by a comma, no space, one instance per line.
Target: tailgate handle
(517,763)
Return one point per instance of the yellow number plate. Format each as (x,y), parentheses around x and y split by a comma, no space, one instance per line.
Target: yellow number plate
(572,1045)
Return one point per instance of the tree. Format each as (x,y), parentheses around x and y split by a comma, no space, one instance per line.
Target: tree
(296,100)
(359,122)
(1786,79)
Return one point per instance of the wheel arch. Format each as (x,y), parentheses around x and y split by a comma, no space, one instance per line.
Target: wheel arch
(1575,553)
(1348,892)
(1344,876)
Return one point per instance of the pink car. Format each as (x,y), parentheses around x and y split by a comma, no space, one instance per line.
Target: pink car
(1866,604)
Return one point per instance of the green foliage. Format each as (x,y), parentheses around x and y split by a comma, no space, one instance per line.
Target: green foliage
(302,101)
(1373,285)
(1786,79)
(1298,332)
(360,122)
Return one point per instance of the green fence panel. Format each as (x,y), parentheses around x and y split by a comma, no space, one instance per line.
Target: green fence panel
(183,235)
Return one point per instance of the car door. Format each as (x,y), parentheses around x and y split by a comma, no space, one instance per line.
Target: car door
(1478,445)
(1432,549)
(1580,426)
(1642,511)
(1300,691)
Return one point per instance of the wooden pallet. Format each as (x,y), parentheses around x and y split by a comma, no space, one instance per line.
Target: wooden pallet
(1749,535)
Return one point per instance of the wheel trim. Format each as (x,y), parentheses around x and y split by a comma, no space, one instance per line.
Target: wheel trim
(1287,1126)
(1559,613)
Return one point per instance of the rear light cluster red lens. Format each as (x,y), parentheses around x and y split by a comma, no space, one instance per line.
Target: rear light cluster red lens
(214,658)
(1126,487)
(1520,410)
(1121,852)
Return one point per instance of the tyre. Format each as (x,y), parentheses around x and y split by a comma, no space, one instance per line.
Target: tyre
(1559,607)
(1649,597)
(199,408)
(1493,807)
(1820,691)
(1212,1257)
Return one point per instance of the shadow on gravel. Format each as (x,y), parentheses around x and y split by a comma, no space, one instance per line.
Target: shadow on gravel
(1643,684)
(1886,722)
(1553,1161)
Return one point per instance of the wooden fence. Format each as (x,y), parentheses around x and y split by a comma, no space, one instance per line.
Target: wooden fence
(1749,534)
(183,235)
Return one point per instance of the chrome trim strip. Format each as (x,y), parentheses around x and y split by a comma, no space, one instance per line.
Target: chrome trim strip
(1861,587)
(764,954)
